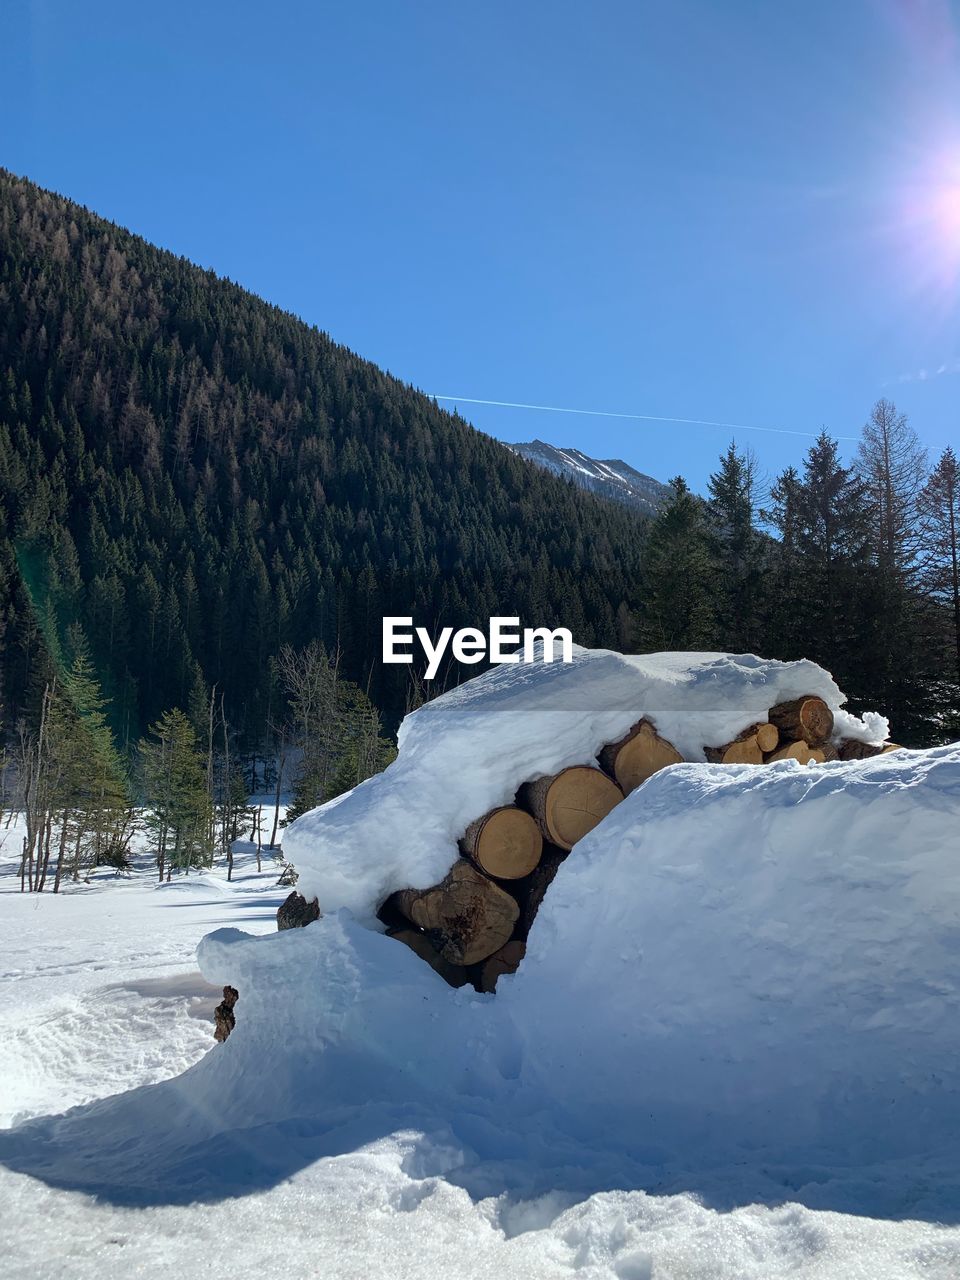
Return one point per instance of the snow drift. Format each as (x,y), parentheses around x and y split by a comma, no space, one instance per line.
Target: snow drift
(736,959)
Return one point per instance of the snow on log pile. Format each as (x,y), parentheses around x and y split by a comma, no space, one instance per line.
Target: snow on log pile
(739,966)
(515,768)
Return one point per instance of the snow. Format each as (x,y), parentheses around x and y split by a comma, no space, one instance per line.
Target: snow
(731,1052)
(469,750)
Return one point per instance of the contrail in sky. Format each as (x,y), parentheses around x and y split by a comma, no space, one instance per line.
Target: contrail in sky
(635,417)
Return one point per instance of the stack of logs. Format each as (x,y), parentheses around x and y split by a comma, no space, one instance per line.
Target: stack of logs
(473,926)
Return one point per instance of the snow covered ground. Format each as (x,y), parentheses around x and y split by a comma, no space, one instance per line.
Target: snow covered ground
(732,1051)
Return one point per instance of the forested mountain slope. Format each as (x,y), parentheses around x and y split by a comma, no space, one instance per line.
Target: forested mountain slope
(198,477)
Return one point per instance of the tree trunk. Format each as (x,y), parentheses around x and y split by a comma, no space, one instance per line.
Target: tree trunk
(806,719)
(60,855)
(276,798)
(505,843)
(467,916)
(638,755)
(569,804)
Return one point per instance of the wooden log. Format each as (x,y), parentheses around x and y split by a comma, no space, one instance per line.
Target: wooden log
(829,751)
(569,804)
(746,751)
(505,843)
(506,960)
(747,747)
(852,749)
(638,755)
(453,974)
(768,736)
(797,751)
(467,916)
(806,719)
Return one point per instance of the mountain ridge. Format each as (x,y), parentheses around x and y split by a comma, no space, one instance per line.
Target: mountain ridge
(609,478)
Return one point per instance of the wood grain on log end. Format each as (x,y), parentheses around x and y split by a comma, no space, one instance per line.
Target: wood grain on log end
(467,916)
(638,755)
(797,751)
(505,843)
(569,804)
(806,719)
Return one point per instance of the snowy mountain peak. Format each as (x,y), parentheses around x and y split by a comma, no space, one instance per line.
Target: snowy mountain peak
(610,477)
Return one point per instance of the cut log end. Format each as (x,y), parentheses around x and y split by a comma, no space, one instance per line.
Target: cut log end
(505,843)
(748,747)
(467,916)
(806,719)
(768,736)
(568,805)
(798,751)
(637,756)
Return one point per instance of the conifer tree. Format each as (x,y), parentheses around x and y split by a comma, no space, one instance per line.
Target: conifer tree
(783,615)
(175,793)
(678,575)
(833,524)
(939,512)
(97,787)
(896,654)
(737,550)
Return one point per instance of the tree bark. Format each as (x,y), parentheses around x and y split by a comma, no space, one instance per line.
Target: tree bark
(467,916)
(806,719)
(852,749)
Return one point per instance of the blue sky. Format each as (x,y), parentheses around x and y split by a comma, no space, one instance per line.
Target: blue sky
(731,210)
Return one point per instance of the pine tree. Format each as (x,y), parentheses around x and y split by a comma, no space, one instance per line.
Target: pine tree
(896,652)
(783,614)
(737,550)
(938,509)
(75,793)
(678,576)
(175,792)
(98,787)
(833,521)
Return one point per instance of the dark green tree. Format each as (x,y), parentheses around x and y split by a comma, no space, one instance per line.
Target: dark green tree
(738,550)
(679,609)
(178,806)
